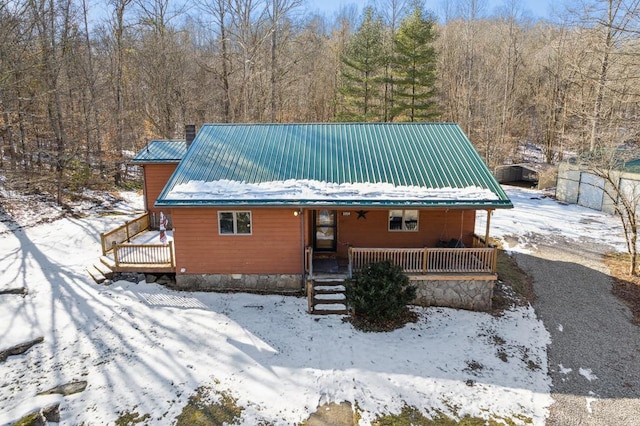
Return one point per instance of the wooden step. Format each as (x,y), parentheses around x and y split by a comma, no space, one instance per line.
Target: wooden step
(328,295)
(329,299)
(110,263)
(331,279)
(329,289)
(329,310)
(96,275)
(322,312)
(104,269)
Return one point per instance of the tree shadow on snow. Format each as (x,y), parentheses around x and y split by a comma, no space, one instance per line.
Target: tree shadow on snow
(87,335)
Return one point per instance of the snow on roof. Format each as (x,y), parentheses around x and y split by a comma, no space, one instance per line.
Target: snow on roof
(312,190)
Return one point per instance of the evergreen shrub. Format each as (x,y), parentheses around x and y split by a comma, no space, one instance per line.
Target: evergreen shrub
(378,296)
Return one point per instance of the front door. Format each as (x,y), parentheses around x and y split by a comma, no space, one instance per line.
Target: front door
(325,229)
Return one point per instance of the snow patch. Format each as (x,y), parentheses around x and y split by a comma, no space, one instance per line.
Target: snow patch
(313,190)
(536,216)
(588,374)
(564,370)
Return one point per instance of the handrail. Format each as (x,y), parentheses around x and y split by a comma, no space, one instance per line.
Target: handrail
(428,260)
(124,232)
(308,261)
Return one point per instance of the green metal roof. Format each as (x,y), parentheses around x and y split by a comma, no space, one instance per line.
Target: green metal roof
(425,155)
(632,166)
(161,151)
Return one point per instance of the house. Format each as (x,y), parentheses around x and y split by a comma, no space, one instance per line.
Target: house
(292,207)
(159,159)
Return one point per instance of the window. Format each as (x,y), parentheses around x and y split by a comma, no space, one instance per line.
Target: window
(403,220)
(234,223)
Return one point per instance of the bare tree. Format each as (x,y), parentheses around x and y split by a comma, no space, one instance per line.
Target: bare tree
(119,9)
(623,192)
(278,11)
(53,24)
(219,13)
(93,133)
(612,22)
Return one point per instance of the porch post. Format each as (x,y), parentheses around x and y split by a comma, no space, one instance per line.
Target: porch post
(486,235)
(302,213)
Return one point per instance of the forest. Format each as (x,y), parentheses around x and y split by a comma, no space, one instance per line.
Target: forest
(83,86)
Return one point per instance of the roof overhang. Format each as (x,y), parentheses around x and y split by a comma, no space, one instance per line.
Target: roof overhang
(143,162)
(437,204)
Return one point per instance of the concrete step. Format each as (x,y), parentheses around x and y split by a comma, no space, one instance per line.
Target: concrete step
(96,275)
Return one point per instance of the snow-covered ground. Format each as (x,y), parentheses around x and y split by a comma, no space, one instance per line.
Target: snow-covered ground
(144,348)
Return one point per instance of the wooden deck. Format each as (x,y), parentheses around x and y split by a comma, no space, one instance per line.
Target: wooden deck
(133,247)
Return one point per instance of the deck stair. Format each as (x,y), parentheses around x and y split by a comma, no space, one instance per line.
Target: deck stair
(101,271)
(327,296)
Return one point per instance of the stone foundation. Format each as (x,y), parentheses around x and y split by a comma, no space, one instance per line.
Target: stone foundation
(474,295)
(253,283)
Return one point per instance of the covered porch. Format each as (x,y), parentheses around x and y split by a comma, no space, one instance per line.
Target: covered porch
(438,249)
(463,262)
(460,278)
(421,241)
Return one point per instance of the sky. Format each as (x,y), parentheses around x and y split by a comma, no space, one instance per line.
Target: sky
(536,8)
(145,348)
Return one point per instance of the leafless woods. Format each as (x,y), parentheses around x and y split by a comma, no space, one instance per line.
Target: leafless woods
(83,84)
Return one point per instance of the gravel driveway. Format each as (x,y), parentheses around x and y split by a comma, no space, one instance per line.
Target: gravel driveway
(594,357)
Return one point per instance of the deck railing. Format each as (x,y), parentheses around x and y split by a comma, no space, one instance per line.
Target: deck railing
(143,255)
(427,260)
(124,232)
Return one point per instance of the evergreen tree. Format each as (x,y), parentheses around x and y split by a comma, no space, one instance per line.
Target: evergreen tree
(362,65)
(414,64)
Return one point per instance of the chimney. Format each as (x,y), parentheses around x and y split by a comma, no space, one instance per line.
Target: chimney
(189,133)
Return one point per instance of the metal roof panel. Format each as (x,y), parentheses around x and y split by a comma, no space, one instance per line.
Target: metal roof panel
(161,151)
(428,155)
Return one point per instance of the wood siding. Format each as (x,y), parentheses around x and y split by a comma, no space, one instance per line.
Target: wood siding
(433,226)
(156,177)
(274,247)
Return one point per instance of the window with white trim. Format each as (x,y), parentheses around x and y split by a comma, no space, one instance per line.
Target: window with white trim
(234,223)
(403,220)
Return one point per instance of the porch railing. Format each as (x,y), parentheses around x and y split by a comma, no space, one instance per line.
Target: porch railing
(129,255)
(427,260)
(124,232)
